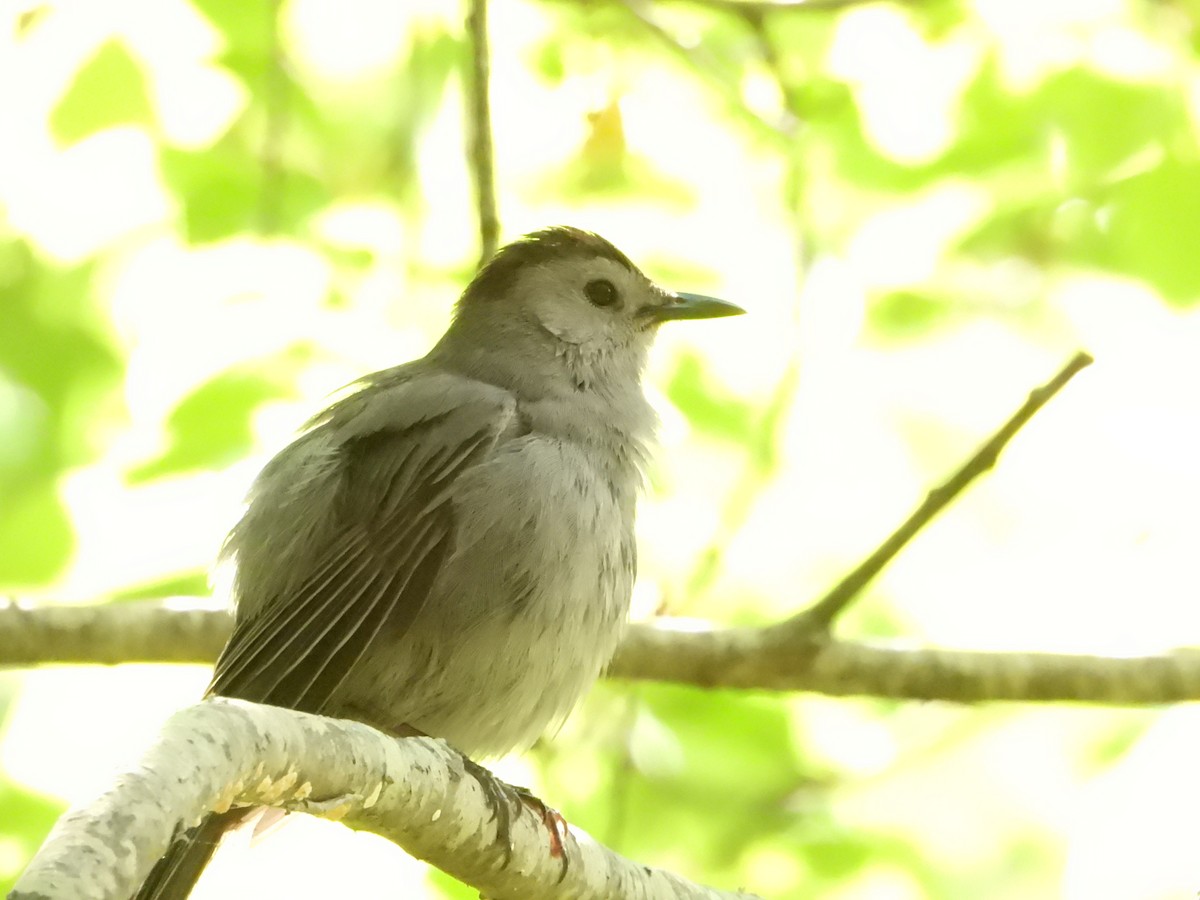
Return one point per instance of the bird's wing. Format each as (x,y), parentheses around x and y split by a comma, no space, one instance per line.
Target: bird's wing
(393,525)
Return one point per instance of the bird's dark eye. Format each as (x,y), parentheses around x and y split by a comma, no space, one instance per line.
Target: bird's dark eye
(601,292)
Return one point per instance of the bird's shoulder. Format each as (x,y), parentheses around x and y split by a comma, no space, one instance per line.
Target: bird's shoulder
(415,395)
(395,419)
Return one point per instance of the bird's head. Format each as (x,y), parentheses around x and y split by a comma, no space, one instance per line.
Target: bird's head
(566,300)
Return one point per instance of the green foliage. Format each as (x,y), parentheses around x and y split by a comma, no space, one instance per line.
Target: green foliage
(1103,122)
(35,531)
(248,33)
(711,410)
(211,426)
(27,819)
(907,313)
(188,584)
(221,193)
(1153,229)
(665,124)
(57,370)
(108,90)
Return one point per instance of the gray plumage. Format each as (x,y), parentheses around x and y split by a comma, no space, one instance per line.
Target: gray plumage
(450,550)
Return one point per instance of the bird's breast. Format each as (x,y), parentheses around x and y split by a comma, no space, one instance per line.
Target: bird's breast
(531,602)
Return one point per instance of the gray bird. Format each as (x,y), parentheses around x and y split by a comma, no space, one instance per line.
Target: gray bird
(449,551)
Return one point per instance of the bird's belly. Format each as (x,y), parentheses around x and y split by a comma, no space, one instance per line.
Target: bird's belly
(526,614)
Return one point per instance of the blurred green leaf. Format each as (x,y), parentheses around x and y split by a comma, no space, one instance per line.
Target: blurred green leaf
(1102,122)
(108,90)
(1023,228)
(666,810)
(1122,737)
(248,30)
(938,18)
(754,730)
(450,887)
(26,820)
(414,98)
(548,61)
(35,532)
(836,854)
(226,191)
(52,352)
(906,314)
(219,190)
(1153,229)
(710,409)
(606,168)
(997,129)
(836,133)
(184,584)
(211,427)
(54,342)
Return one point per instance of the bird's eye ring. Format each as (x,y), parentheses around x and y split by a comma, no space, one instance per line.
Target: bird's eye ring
(601,292)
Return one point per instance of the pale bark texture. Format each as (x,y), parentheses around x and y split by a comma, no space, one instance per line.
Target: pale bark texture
(416,792)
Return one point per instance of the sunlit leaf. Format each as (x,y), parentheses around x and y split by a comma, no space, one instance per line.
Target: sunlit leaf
(1153,230)
(667,810)
(211,427)
(249,34)
(108,90)
(51,349)
(187,584)
(1102,122)
(707,407)
(227,190)
(907,314)
(35,532)
(27,817)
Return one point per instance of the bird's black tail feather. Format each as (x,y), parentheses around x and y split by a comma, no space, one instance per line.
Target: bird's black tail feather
(174,876)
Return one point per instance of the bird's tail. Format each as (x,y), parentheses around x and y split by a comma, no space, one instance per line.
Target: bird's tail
(174,876)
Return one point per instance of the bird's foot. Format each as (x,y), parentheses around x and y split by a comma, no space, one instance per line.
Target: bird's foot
(554,823)
(506,800)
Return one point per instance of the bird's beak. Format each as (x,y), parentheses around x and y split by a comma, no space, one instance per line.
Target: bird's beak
(691,306)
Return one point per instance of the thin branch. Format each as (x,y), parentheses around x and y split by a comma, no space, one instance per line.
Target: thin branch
(821,614)
(416,792)
(179,630)
(479,131)
(708,68)
(665,650)
(277,99)
(756,21)
(754,659)
(761,7)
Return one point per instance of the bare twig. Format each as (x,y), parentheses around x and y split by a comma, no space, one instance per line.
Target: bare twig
(819,616)
(479,131)
(179,630)
(277,102)
(754,659)
(749,658)
(708,68)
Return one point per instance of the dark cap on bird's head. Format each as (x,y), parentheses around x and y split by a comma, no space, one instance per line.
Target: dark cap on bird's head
(563,242)
(556,243)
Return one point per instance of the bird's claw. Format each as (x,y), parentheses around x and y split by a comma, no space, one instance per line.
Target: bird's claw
(504,800)
(554,823)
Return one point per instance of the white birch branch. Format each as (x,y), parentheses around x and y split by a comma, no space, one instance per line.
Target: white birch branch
(415,792)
